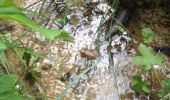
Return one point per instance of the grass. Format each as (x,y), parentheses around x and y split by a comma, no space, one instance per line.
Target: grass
(9,80)
(10,11)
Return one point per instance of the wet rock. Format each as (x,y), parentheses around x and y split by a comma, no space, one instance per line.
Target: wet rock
(74,20)
(89,54)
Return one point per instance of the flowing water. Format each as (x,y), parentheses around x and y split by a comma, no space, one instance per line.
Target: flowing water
(110,61)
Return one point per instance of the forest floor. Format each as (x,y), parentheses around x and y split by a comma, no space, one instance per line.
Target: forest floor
(68,60)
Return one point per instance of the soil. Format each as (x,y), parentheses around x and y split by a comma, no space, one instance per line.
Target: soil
(155,17)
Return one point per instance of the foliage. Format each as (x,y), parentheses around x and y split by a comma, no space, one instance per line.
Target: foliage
(3,58)
(2,46)
(63,21)
(115,3)
(8,10)
(148,35)
(24,55)
(165,89)
(33,75)
(8,89)
(21,52)
(119,29)
(148,57)
(139,85)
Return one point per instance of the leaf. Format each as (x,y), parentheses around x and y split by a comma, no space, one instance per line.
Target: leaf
(7,82)
(63,21)
(148,57)
(166,84)
(136,79)
(139,85)
(163,93)
(3,46)
(119,29)
(146,87)
(148,35)
(7,87)
(52,34)
(6,3)
(10,11)
(20,51)
(11,95)
(4,60)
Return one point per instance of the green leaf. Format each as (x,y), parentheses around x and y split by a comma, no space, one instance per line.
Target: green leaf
(166,84)
(136,79)
(52,34)
(162,93)
(21,50)
(11,95)
(119,29)
(139,85)
(3,46)
(4,60)
(146,87)
(25,59)
(7,87)
(7,82)
(63,21)
(148,35)
(6,3)
(148,57)
(10,11)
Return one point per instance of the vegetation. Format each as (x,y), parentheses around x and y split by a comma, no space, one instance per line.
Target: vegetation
(148,35)
(148,59)
(10,89)
(9,83)
(10,11)
(12,86)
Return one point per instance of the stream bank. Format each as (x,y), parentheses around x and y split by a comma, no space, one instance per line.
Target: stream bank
(102,66)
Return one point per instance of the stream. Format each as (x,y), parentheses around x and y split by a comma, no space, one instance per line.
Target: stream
(108,56)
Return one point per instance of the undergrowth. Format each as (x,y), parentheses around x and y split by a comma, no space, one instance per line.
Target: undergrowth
(10,83)
(11,87)
(149,82)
